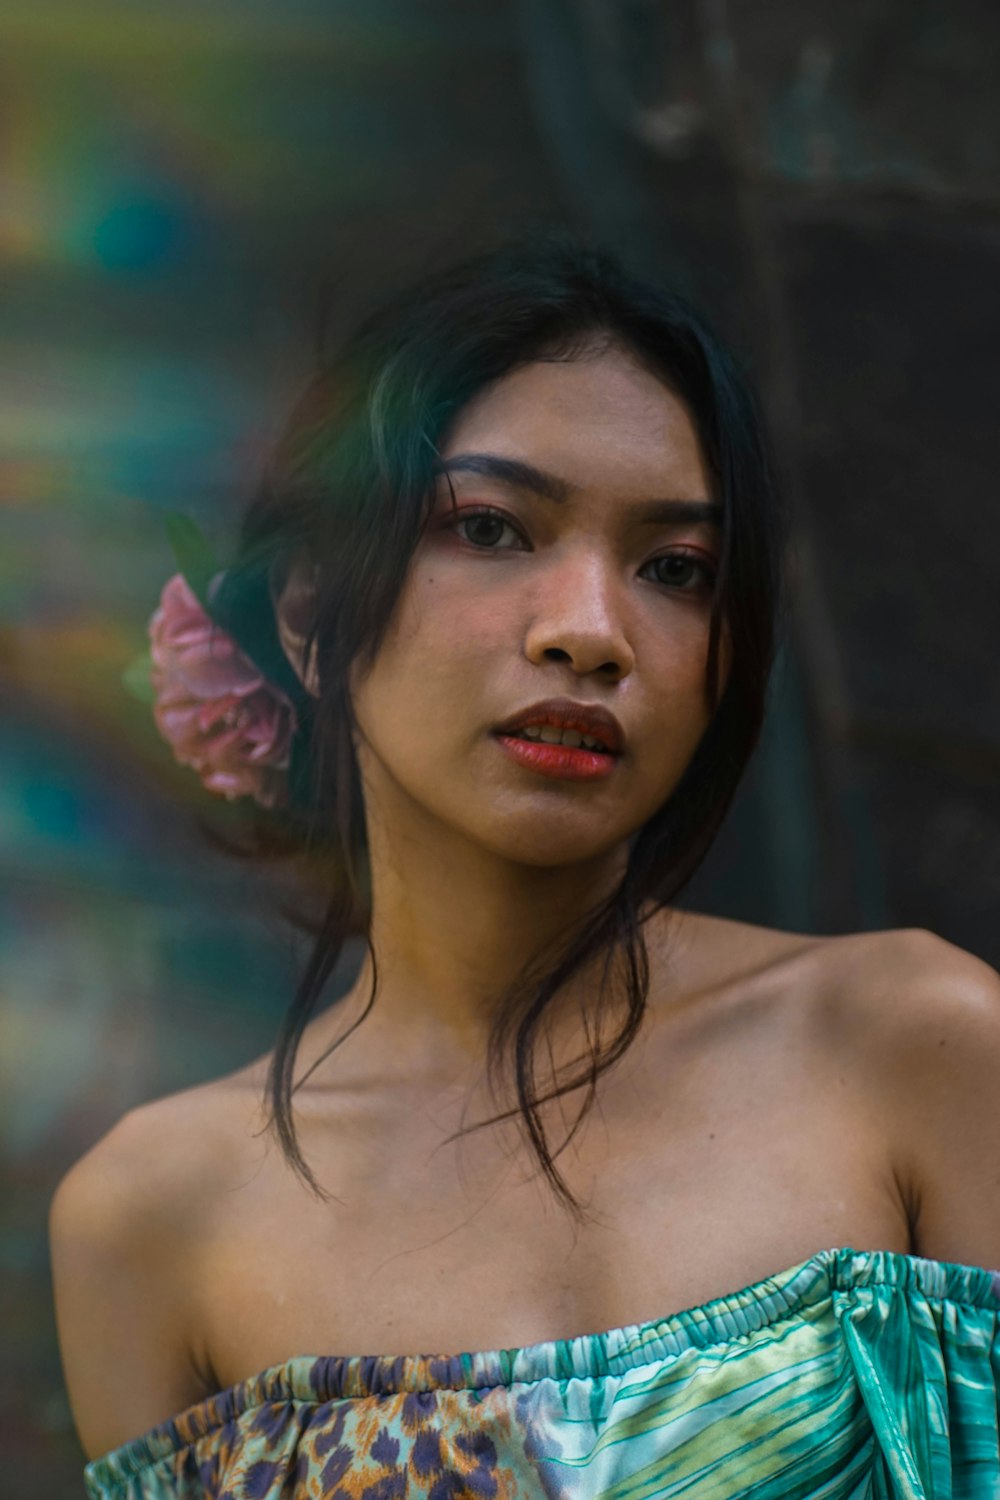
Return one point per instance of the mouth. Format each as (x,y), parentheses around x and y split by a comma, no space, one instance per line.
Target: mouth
(559,753)
(561,721)
(564,762)
(550,734)
(559,738)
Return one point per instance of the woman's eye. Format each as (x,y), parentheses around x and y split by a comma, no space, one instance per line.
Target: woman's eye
(673,568)
(485,528)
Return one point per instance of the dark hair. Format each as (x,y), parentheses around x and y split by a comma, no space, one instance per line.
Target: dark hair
(350,485)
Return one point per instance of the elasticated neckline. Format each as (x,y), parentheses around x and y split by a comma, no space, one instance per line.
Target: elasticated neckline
(804,1290)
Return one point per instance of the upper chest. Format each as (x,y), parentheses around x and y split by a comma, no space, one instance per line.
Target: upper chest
(733,1140)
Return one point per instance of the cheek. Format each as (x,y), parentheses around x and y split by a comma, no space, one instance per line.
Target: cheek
(429,662)
(679,661)
(452,614)
(679,712)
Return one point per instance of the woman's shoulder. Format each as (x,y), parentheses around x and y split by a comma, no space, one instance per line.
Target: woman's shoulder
(892,986)
(145,1155)
(723,950)
(712,953)
(872,998)
(918,1018)
(188,1146)
(122,1223)
(156,1173)
(911,1024)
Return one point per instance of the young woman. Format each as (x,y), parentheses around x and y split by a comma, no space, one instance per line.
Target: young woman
(522,553)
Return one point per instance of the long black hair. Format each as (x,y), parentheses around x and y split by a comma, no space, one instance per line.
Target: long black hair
(349,487)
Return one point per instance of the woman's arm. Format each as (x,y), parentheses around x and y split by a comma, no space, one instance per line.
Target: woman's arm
(927,1029)
(116,1231)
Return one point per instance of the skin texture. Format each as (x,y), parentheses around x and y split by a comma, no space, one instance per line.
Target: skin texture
(477,862)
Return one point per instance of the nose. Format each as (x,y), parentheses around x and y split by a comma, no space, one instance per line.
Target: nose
(577,618)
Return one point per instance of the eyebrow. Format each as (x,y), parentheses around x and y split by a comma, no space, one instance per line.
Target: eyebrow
(520,475)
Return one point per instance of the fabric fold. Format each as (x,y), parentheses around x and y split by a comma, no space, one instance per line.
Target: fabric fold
(924,1340)
(853,1375)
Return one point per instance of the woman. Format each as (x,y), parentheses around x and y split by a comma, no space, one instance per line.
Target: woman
(523,553)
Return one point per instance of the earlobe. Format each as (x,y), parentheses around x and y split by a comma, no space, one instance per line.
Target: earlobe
(294,612)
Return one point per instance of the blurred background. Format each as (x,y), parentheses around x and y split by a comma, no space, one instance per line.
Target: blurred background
(191,195)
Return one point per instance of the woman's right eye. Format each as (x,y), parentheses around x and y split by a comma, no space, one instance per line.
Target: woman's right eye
(485,528)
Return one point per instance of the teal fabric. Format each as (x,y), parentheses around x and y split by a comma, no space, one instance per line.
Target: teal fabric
(855,1375)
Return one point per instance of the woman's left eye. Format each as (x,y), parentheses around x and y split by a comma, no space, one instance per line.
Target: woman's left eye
(485,529)
(682,561)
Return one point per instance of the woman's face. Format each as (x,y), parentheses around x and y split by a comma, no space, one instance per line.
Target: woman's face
(595,592)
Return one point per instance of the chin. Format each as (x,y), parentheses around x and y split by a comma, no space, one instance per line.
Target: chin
(549,843)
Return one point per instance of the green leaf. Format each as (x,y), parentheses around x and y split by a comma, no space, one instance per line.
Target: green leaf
(195,559)
(137,680)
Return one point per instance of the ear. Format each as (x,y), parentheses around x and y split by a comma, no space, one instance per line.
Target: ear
(294,603)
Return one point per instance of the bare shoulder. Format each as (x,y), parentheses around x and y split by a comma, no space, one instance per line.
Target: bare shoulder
(123,1224)
(896,992)
(918,1018)
(882,998)
(911,1022)
(711,953)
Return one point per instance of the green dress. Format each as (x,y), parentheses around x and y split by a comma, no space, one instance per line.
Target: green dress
(855,1374)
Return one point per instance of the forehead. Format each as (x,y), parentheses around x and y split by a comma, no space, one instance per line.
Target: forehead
(599,420)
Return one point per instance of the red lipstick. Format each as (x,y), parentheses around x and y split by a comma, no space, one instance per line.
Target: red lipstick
(562,713)
(567,762)
(563,761)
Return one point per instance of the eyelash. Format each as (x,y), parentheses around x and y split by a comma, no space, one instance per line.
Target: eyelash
(469,514)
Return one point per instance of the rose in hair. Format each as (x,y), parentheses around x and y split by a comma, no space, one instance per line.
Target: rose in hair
(214,708)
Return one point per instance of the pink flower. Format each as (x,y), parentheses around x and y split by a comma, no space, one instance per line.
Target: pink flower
(217,712)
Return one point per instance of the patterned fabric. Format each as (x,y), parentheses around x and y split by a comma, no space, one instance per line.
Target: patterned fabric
(855,1375)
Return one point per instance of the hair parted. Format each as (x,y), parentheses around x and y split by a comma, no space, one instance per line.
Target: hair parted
(349,487)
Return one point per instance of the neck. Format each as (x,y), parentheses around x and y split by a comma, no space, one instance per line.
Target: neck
(453,924)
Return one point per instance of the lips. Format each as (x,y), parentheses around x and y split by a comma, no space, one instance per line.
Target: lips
(562,713)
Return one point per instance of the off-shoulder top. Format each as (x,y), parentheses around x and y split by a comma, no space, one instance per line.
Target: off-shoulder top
(855,1375)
